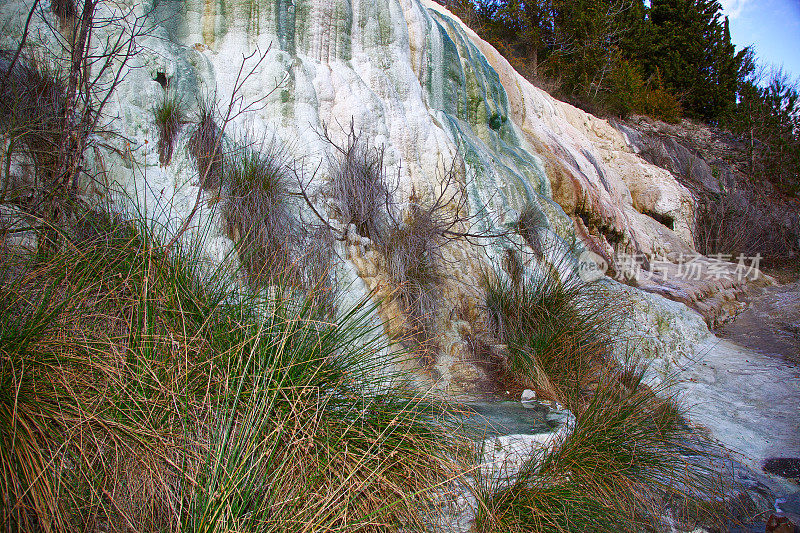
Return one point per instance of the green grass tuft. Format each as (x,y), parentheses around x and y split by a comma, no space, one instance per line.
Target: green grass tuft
(138,392)
(557,328)
(169,118)
(258,214)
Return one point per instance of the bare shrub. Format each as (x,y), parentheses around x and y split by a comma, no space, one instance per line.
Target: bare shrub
(169,119)
(58,111)
(359,185)
(723,227)
(412,240)
(206,147)
(414,244)
(739,221)
(364,197)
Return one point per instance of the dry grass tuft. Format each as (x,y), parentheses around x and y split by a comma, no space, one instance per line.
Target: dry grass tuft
(206,147)
(531,221)
(169,119)
(317,267)
(359,186)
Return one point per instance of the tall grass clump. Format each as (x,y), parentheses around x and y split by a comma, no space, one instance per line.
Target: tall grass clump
(140,392)
(258,214)
(206,146)
(168,115)
(558,329)
(625,467)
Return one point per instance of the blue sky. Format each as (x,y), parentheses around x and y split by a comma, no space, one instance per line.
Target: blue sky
(771,26)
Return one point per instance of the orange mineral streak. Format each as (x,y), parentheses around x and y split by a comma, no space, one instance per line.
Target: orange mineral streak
(209,21)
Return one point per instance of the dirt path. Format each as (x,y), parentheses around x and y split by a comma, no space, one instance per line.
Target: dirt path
(771,325)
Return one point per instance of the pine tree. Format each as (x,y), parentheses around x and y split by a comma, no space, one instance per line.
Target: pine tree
(691,46)
(767,117)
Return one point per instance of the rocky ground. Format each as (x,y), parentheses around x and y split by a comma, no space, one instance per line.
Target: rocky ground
(734,209)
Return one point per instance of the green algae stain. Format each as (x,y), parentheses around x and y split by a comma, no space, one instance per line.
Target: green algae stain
(285,24)
(466,90)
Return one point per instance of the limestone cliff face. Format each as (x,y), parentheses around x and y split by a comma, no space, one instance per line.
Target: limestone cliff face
(413,79)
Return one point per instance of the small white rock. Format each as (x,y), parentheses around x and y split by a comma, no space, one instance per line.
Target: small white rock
(528,399)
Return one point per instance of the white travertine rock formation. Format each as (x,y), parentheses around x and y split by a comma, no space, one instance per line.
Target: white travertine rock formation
(413,79)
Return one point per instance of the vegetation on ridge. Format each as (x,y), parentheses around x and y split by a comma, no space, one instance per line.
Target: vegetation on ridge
(626,467)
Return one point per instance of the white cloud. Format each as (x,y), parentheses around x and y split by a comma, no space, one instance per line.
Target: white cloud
(733,8)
